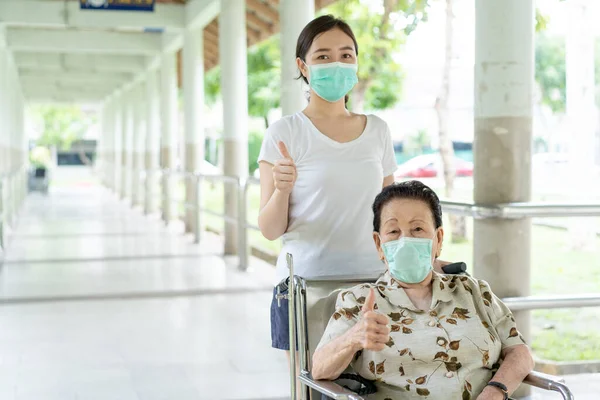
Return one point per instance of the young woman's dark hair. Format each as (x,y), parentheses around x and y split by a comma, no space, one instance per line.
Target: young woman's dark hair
(414,190)
(316,27)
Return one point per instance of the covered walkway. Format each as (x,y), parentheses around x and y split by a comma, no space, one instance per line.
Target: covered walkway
(101,302)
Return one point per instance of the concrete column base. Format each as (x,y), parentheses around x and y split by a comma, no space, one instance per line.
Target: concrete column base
(124,175)
(235,152)
(191,162)
(151,165)
(167,186)
(138,180)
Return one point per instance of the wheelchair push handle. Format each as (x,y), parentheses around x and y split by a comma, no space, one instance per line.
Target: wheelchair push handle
(455,268)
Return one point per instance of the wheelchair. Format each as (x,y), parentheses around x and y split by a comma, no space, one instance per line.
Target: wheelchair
(311,304)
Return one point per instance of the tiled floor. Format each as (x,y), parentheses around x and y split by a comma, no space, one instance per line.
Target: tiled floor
(99,302)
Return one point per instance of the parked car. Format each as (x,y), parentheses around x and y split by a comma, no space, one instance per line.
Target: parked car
(430,166)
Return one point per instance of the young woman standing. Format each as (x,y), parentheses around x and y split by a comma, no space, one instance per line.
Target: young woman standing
(321,168)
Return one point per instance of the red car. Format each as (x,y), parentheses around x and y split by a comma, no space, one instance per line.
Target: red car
(430,166)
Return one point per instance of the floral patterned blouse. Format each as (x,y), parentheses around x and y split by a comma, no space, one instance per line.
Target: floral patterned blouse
(448,352)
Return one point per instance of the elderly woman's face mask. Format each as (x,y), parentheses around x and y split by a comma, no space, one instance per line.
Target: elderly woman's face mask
(408,258)
(408,239)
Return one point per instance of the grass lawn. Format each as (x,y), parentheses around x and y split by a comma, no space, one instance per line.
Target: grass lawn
(562,335)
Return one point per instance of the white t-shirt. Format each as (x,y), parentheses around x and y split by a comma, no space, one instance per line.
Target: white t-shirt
(330,219)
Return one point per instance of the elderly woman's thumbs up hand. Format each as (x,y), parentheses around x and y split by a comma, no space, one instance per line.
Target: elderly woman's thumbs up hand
(372,331)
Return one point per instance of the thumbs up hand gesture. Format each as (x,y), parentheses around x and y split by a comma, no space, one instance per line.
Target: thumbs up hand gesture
(372,331)
(284,171)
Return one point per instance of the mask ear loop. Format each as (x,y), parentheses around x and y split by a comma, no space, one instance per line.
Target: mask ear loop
(307,72)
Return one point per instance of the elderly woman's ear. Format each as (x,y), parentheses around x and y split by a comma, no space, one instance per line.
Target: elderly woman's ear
(377,240)
(439,240)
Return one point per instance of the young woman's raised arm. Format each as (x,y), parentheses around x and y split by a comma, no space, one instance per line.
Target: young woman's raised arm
(276,184)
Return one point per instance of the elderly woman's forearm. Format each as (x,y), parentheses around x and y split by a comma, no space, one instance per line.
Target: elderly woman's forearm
(332,359)
(517,364)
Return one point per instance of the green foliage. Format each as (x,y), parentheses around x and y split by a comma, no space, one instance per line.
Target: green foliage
(541,21)
(264,77)
(380,27)
(212,85)
(255,138)
(254,143)
(419,142)
(550,71)
(61,126)
(550,66)
(40,157)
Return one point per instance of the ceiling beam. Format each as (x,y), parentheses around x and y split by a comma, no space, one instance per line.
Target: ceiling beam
(258,23)
(41,93)
(199,13)
(213,27)
(252,34)
(71,41)
(263,9)
(80,62)
(43,13)
(77,78)
(208,35)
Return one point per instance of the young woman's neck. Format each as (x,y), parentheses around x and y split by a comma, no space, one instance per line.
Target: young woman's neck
(319,108)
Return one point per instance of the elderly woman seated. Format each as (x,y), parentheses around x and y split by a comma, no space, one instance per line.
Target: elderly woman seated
(417,333)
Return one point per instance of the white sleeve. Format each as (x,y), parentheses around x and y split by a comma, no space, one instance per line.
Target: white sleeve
(389,156)
(277,132)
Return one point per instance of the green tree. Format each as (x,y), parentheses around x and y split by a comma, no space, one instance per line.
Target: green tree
(550,71)
(61,126)
(380,27)
(264,76)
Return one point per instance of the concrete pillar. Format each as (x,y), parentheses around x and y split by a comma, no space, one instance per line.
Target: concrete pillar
(108,159)
(234,89)
(152,152)
(169,130)
(581,112)
(118,142)
(4,156)
(139,142)
(3,137)
(193,91)
(294,15)
(101,145)
(14,141)
(5,132)
(127,123)
(504,82)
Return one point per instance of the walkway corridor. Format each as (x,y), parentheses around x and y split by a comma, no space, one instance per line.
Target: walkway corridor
(100,302)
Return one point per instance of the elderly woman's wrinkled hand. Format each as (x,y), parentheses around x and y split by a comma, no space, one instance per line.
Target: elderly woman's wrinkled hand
(372,331)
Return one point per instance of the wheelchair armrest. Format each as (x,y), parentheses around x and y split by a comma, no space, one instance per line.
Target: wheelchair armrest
(548,382)
(328,388)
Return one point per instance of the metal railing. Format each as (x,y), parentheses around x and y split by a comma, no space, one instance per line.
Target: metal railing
(240,221)
(520,210)
(468,209)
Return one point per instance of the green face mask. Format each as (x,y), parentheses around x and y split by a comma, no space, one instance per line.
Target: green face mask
(332,81)
(409,259)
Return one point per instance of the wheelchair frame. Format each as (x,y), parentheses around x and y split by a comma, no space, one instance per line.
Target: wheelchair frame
(297,301)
